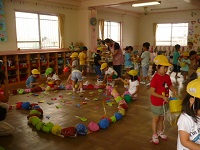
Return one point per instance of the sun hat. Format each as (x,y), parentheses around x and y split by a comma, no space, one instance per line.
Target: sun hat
(186,54)
(193,88)
(103,66)
(161,60)
(133,72)
(35,71)
(74,54)
(48,71)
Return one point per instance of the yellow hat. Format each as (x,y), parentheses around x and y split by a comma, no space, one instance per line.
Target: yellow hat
(74,54)
(186,54)
(133,72)
(103,66)
(100,48)
(35,71)
(161,60)
(193,88)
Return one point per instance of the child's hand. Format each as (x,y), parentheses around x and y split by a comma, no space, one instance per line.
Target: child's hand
(165,99)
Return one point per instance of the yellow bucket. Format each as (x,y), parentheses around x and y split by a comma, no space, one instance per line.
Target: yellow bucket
(175,105)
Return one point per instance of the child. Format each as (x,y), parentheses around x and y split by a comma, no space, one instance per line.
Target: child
(188,123)
(190,47)
(185,62)
(97,63)
(133,84)
(128,64)
(159,90)
(52,77)
(83,60)
(176,67)
(145,58)
(109,72)
(135,60)
(32,80)
(75,76)
(5,128)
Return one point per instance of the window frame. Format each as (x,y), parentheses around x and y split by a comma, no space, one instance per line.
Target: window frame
(171,34)
(39,31)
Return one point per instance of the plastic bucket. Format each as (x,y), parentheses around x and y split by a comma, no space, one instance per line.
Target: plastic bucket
(175,105)
(51,84)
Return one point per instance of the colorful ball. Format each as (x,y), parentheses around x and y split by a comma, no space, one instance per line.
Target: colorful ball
(113,119)
(104,123)
(118,116)
(128,98)
(26,105)
(70,131)
(93,126)
(81,129)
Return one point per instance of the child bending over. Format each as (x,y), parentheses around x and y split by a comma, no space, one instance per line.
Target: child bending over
(32,79)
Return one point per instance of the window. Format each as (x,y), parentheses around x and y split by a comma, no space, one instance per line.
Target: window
(112,30)
(36,31)
(172,34)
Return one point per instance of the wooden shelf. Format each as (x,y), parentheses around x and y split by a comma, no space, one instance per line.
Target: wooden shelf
(24,61)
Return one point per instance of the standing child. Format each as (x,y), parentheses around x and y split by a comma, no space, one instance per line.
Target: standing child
(159,90)
(133,84)
(32,79)
(128,64)
(52,77)
(185,63)
(83,60)
(97,63)
(135,60)
(5,128)
(109,72)
(176,67)
(145,58)
(189,123)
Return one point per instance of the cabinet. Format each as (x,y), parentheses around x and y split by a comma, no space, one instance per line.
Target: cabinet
(18,64)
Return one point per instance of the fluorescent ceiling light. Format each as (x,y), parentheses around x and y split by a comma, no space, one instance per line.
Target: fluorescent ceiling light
(146,4)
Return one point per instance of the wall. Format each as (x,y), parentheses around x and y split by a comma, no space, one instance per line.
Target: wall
(146,22)
(129,26)
(71,21)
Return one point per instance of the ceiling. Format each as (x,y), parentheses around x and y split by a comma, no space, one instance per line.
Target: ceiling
(125,5)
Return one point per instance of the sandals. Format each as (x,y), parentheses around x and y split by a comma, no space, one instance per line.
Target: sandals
(155,139)
(162,135)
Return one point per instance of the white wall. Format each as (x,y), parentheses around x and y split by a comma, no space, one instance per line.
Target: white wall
(146,22)
(129,26)
(71,22)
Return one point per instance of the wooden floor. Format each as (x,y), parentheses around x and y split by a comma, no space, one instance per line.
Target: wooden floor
(133,132)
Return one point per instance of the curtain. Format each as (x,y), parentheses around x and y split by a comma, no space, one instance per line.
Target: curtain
(61,21)
(154,32)
(101,27)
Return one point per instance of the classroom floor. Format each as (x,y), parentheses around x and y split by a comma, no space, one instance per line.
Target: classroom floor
(132,132)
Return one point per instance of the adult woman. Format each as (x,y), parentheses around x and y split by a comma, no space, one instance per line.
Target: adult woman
(116,52)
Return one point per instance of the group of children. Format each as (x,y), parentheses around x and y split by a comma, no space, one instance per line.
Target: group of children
(188,123)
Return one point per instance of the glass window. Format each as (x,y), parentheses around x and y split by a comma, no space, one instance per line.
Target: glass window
(172,34)
(36,31)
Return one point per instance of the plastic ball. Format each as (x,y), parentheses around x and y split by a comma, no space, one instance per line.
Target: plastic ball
(122,111)
(113,119)
(70,131)
(104,123)
(93,126)
(39,126)
(47,127)
(128,98)
(118,98)
(81,129)
(56,130)
(118,116)
(26,105)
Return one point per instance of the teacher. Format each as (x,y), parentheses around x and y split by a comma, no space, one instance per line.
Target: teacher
(116,52)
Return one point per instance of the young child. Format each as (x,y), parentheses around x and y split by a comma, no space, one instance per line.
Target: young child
(176,67)
(133,84)
(32,79)
(185,62)
(145,58)
(159,90)
(109,72)
(127,56)
(83,61)
(97,63)
(135,59)
(75,76)
(5,128)
(189,123)
(52,77)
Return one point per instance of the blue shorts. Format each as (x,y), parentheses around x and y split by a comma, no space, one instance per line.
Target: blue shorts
(76,76)
(145,70)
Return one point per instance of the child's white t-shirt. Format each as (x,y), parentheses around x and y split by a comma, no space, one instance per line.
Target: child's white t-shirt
(110,71)
(132,87)
(54,77)
(187,124)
